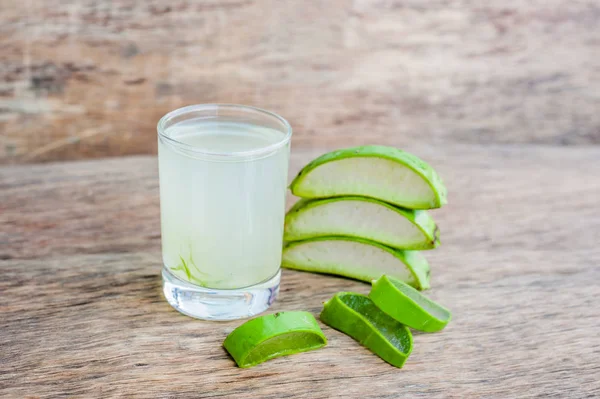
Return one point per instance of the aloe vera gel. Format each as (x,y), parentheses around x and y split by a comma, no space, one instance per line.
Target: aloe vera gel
(223,175)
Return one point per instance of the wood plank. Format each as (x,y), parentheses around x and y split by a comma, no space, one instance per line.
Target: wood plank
(91,79)
(82,313)
(97,325)
(501,197)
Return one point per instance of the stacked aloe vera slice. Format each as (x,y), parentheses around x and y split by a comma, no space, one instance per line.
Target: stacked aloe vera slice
(363,214)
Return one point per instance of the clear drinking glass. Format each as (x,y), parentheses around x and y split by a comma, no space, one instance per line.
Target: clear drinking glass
(223,177)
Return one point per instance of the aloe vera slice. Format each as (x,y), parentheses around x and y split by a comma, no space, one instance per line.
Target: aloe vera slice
(274,335)
(361,217)
(380,172)
(356,258)
(408,306)
(357,316)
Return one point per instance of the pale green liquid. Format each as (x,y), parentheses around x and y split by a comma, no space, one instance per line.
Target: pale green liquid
(222,218)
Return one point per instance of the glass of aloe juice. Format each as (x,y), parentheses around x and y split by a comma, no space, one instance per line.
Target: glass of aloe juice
(223,175)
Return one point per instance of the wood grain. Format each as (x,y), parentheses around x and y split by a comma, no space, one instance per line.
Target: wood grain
(82,315)
(84,78)
(505,197)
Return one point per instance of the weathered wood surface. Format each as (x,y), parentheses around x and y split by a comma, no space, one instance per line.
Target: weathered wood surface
(82,315)
(83,78)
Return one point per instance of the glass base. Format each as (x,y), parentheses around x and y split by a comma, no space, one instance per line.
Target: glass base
(214,304)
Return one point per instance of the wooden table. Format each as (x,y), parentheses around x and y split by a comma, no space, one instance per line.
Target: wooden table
(82,314)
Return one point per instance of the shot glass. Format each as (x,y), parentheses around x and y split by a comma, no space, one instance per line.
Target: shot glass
(223,178)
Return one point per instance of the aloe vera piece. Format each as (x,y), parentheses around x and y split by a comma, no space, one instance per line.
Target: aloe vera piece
(356,258)
(408,306)
(379,172)
(274,335)
(357,316)
(361,217)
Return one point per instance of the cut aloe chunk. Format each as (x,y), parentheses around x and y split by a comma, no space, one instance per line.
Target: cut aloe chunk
(408,306)
(356,258)
(357,316)
(361,217)
(380,172)
(274,335)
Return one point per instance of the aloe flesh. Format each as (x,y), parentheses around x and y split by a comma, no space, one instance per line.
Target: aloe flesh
(357,259)
(275,335)
(408,306)
(385,173)
(361,217)
(357,316)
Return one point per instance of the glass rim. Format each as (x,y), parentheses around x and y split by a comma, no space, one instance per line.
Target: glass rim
(162,126)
